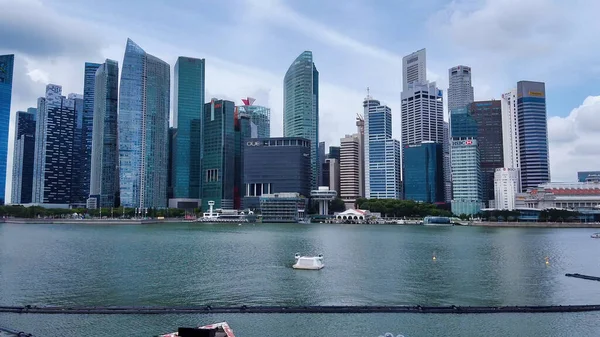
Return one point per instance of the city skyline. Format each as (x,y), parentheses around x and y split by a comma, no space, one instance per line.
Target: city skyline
(243,72)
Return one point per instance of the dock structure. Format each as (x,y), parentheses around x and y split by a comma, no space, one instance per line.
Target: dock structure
(585,277)
(98,310)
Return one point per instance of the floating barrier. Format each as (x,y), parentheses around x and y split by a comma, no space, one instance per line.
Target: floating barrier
(585,277)
(15,332)
(295,309)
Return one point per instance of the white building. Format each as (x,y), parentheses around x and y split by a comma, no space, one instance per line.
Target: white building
(422,114)
(350,150)
(510,130)
(506,187)
(414,68)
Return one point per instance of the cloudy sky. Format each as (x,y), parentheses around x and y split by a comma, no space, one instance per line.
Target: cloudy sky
(249,44)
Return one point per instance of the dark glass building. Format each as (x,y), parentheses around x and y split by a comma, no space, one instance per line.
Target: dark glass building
(334,153)
(218,159)
(188,105)
(588,176)
(423,166)
(23,156)
(104,181)
(488,116)
(276,165)
(6,82)
(85,134)
(243,132)
(79,190)
(533,133)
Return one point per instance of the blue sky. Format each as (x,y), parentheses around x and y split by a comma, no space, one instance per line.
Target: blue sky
(249,44)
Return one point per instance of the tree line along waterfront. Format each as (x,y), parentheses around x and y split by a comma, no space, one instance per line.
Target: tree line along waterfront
(388,208)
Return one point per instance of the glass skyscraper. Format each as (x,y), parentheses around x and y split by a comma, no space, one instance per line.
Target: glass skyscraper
(23,156)
(188,109)
(301,106)
(260,116)
(144,100)
(488,115)
(104,182)
(382,153)
(532,124)
(219,159)
(54,147)
(6,82)
(84,145)
(423,172)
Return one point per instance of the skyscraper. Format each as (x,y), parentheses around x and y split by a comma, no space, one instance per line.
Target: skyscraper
(321,162)
(144,100)
(350,150)
(85,135)
(301,106)
(218,163)
(6,81)
(382,153)
(79,192)
(465,156)
(447,164)
(510,131)
(260,116)
(506,181)
(23,156)
(488,116)
(460,91)
(422,114)
(188,109)
(104,181)
(414,68)
(533,134)
(423,172)
(54,146)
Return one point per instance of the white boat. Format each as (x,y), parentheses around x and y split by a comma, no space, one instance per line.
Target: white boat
(595,236)
(308,262)
(221,330)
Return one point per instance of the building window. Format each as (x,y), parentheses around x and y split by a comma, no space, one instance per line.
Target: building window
(212,175)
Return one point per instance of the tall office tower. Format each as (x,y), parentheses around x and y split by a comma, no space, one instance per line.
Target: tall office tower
(260,116)
(104,181)
(54,150)
(331,174)
(460,90)
(382,153)
(6,82)
(301,106)
(172,132)
(466,174)
(533,134)
(188,110)
(447,164)
(218,163)
(79,188)
(423,167)
(488,115)
(510,131)
(422,114)
(321,162)
(350,169)
(244,129)
(144,100)
(506,181)
(85,131)
(360,126)
(414,68)
(23,156)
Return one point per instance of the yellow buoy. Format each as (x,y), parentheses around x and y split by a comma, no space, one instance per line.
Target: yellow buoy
(434,258)
(547,260)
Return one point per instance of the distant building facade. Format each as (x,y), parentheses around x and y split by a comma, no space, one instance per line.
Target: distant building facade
(104,181)
(260,116)
(23,157)
(506,188)
(54,146)
(282,207)
(350,171)
(588,176)
(301,106)
(423,172)
(144,104)
(188,110)
(288,169)
(6,83)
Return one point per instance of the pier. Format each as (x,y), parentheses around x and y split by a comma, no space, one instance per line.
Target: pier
(160,310)
(585,277)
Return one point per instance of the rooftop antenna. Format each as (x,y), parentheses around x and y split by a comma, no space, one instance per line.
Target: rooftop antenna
(368,93)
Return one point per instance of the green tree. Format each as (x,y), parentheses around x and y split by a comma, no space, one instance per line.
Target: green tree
(336,205)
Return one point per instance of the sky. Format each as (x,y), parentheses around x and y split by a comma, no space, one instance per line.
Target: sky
(249,44)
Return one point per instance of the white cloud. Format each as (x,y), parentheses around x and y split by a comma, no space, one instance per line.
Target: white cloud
(575,141)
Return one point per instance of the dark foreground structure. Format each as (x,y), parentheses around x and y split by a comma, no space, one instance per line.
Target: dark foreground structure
(297,309)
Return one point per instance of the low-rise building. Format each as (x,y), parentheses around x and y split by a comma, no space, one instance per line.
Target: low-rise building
(282,207)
